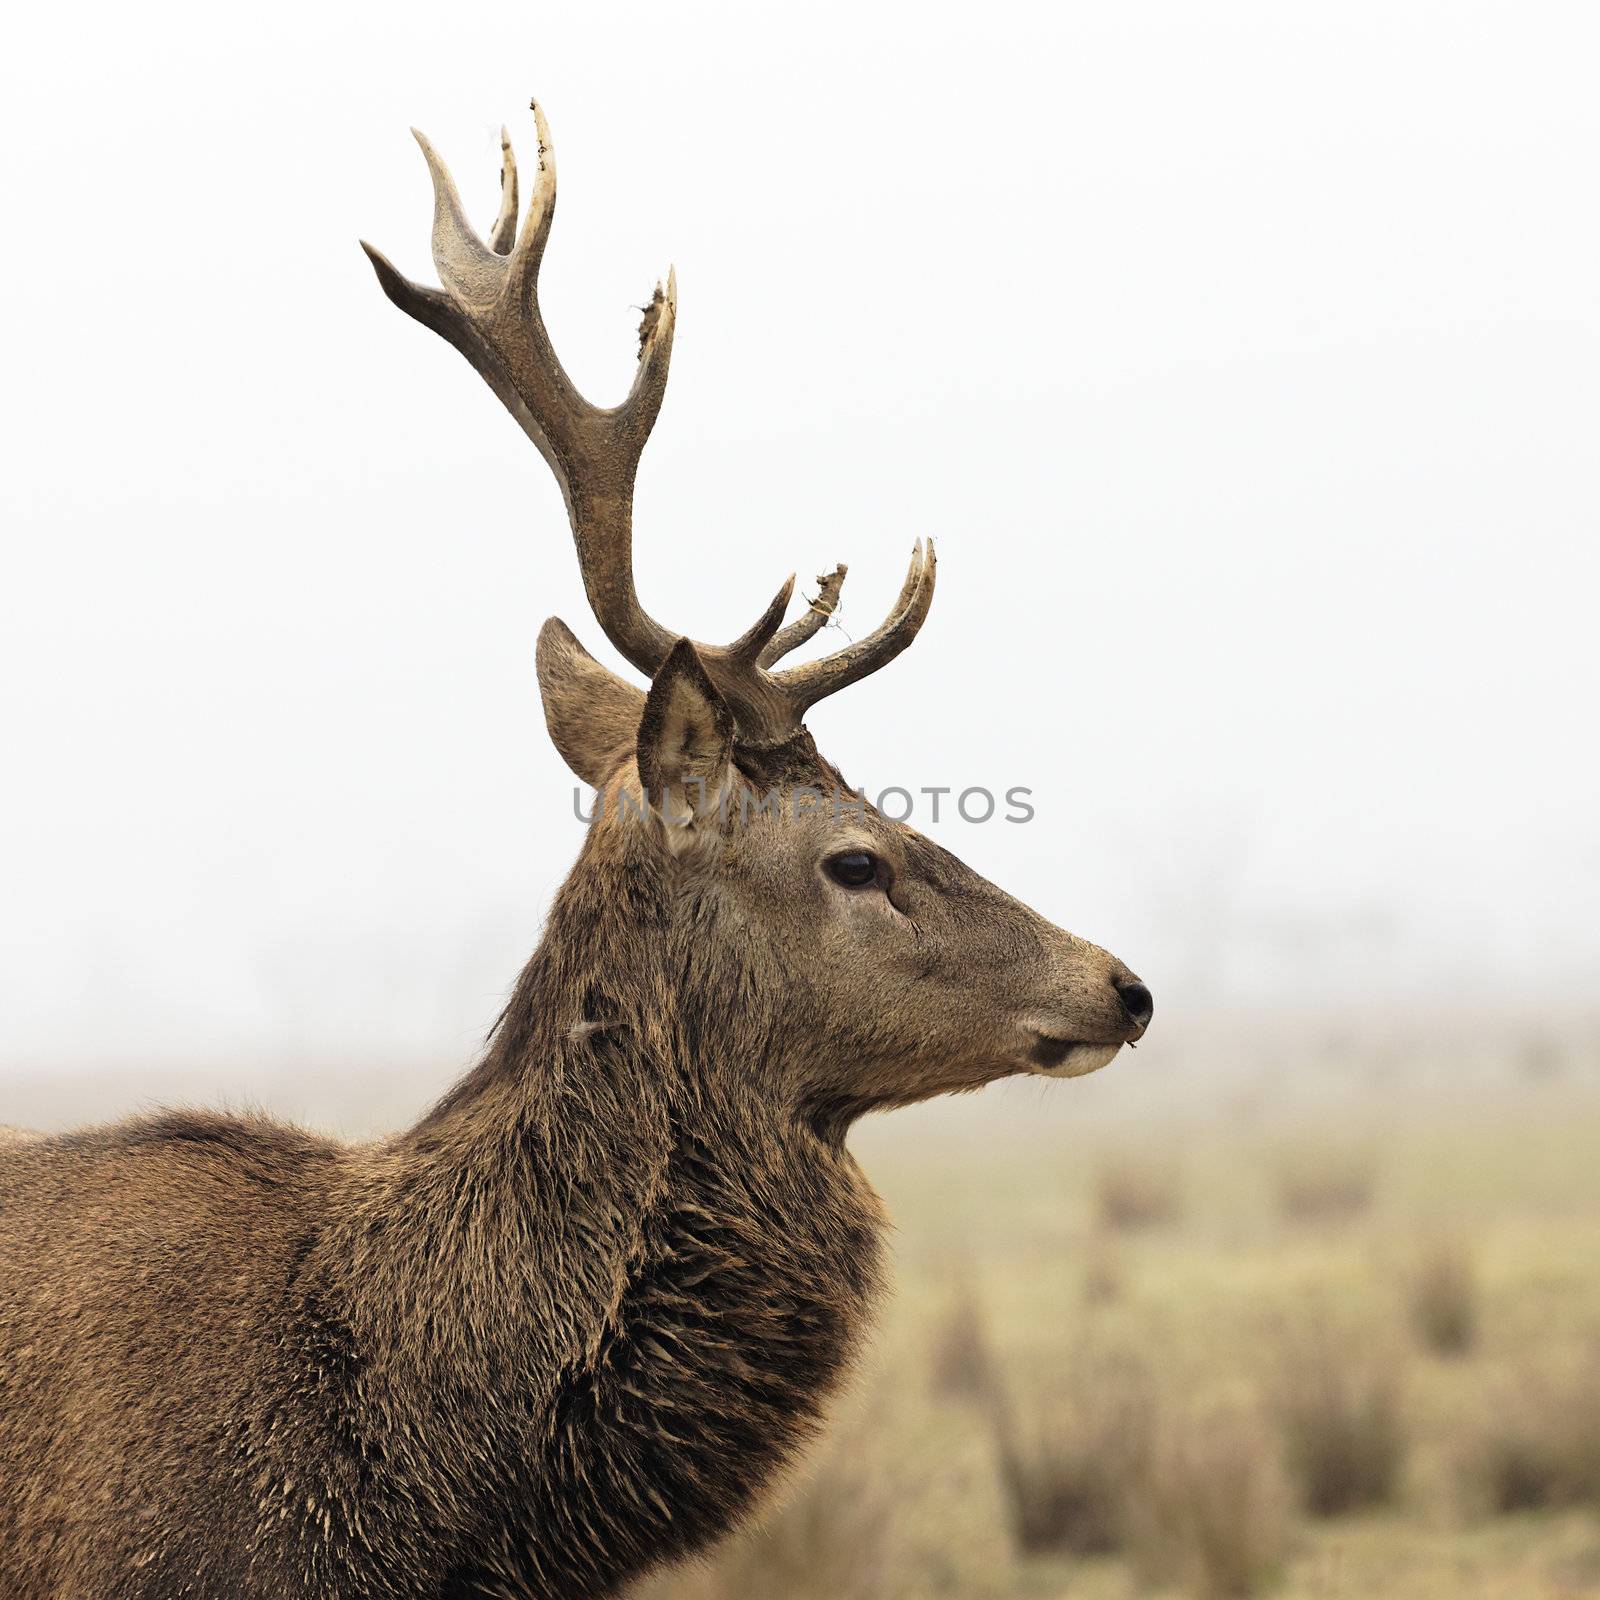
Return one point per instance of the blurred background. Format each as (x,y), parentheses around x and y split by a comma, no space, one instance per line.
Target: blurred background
(1242,361)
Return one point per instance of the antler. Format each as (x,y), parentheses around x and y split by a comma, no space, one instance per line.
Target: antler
(488,308)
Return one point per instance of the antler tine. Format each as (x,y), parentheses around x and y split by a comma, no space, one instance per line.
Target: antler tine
(753,643)
(467,267)
(815,680)
(504,232)
(815,616)
(656,327)
(528,251)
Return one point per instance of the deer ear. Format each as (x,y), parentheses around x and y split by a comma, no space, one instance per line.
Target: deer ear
(592,714)
(685,746)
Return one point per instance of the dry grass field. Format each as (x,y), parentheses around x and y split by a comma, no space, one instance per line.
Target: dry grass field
(1321,1323)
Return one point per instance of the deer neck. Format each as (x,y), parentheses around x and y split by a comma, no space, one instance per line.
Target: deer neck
(634,1281)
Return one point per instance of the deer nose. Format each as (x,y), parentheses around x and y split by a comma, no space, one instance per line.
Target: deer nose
(1138,1003)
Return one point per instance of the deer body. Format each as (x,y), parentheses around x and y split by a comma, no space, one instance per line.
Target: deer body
(573,1322)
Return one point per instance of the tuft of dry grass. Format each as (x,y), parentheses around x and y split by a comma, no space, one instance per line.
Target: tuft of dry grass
(1338,1397)
(1535,1444)
(1135,1192)
(962,1365)
(833,1541)
(1442,1297)
(1073,1451)
(1324,1183)
(1212,1511)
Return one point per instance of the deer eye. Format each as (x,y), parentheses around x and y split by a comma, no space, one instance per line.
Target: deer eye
(854,869)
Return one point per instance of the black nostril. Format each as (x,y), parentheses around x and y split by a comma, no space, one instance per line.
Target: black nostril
(1137,1002)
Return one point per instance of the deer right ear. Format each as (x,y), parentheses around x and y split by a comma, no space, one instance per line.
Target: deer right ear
(592,714)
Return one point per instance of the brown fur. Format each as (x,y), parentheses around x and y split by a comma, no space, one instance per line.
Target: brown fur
(573,1323)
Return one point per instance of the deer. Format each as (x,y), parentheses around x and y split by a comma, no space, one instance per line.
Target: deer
(577,1321)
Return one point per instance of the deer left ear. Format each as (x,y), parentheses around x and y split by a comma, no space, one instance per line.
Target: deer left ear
(592,715)
(685,746)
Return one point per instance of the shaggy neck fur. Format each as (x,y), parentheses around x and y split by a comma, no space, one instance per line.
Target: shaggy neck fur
(581,1314)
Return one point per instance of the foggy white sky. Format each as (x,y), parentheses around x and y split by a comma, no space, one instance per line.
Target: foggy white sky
(1241,358)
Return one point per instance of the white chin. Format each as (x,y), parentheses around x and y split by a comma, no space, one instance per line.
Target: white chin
(1080,1059)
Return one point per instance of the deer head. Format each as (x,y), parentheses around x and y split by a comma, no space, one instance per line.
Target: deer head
(896,970)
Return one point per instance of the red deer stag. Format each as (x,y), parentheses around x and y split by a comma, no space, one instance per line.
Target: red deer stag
(572,1323)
